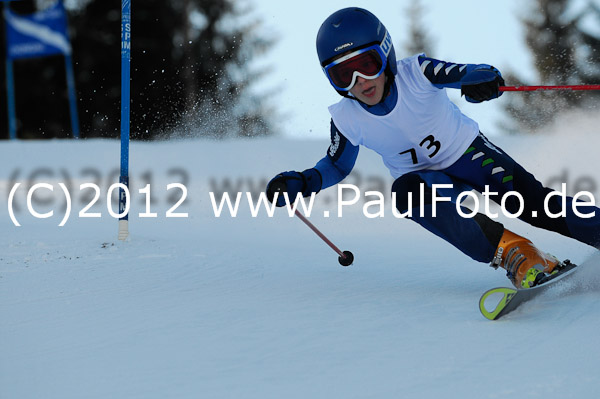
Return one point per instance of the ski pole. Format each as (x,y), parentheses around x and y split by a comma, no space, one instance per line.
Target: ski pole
(345,257)
(540,88)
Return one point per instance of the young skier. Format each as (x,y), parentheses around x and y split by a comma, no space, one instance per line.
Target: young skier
(401,111)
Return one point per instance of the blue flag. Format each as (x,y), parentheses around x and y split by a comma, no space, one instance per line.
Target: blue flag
(36,35)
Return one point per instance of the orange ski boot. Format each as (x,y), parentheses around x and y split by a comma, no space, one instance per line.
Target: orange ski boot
(525,265)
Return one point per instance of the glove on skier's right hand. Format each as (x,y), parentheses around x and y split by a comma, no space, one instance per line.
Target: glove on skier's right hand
(291,182)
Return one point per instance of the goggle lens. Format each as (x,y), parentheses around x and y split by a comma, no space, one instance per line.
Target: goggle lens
(367,64)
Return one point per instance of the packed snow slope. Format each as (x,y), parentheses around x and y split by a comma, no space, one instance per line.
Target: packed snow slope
(200,306)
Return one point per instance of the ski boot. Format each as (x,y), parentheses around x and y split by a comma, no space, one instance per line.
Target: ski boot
(525,265)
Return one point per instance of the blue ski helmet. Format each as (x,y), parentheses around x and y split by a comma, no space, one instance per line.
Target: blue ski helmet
(352,29)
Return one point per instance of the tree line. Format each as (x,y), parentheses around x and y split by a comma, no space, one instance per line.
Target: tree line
(191,62)
(564,40)
(188,57)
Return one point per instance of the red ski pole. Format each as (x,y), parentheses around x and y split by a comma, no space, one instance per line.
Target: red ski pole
(345,257)
(540,88)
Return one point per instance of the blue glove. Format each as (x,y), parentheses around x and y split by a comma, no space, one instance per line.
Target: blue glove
(482,85)
(293,182)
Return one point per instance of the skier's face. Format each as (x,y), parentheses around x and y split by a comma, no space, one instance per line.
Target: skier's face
(369,91)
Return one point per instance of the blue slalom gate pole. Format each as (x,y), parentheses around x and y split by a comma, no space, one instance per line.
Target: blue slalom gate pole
(10,100)
(125,102)
(72,96)
(10,92)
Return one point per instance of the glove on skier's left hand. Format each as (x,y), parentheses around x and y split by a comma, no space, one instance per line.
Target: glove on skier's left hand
(482,85)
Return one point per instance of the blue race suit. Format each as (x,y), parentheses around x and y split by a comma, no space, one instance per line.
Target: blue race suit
(482,164)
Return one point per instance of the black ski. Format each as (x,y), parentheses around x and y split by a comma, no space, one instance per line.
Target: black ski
(512,297)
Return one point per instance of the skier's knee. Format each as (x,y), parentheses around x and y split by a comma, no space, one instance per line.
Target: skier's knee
(405,187)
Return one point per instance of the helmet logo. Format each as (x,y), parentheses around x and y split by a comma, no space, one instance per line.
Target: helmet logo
(343,46)
(386,44)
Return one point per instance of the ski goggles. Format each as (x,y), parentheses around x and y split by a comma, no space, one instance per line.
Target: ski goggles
(368,63)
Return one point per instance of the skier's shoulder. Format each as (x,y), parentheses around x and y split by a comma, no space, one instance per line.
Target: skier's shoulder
(409,63)
(344,105)
(414,73)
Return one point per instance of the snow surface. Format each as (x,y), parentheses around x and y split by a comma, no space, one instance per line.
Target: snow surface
(223,307)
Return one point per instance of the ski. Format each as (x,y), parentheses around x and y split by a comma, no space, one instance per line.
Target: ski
(512,297)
